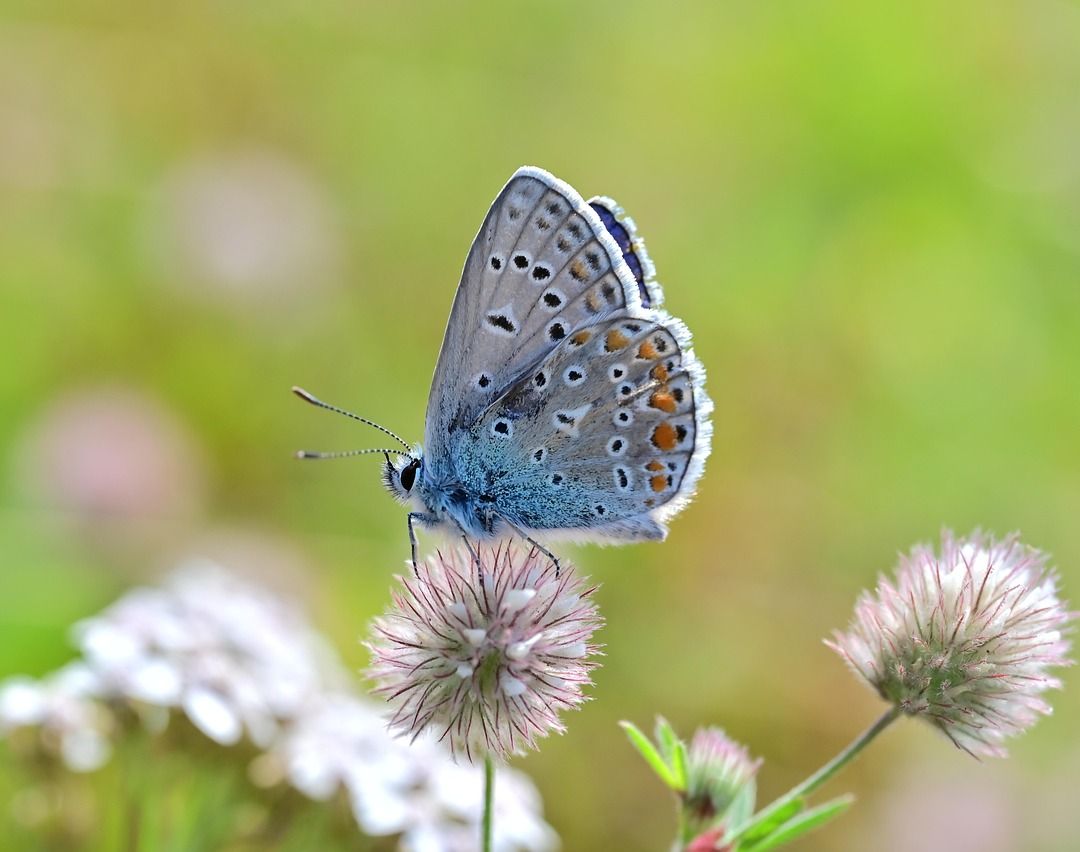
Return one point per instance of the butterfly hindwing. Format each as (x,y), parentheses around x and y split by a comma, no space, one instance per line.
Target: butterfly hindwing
(606,436)
(541,267)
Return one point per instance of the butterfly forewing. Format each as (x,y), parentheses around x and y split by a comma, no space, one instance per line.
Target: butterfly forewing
(541,267)
(607,435)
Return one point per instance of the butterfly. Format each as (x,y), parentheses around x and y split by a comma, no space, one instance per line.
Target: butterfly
(565,402)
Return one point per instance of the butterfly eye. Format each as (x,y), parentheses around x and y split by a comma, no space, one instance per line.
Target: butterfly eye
(408,475)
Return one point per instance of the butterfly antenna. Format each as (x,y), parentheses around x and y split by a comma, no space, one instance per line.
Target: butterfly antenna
(314,400)
(312,454)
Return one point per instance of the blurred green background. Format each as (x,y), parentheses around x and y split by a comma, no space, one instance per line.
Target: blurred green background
(868,214)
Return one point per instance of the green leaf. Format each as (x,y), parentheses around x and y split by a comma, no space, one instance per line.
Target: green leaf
(648,751)
(673,750)
(666,738)
(742,806)
(679,763)
(766,822)
(801,824)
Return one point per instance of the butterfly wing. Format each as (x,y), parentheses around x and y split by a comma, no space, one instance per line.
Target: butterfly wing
(605,438)
(624,232)
(541,267)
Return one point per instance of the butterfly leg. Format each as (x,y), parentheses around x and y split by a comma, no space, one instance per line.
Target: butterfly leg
(476,559)
(554,559)
(424,518)
(472,551)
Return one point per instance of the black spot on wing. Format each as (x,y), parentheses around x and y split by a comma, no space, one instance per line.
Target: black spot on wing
(503,322)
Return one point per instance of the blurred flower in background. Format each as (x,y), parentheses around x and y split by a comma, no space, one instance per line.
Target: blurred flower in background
(64,707)
(248,227)
(234,658)
(398,787)
(248,671)
(114,463)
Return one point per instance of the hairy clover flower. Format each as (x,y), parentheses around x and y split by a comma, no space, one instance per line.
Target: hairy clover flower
(963,639)
(720,771)
(485,662)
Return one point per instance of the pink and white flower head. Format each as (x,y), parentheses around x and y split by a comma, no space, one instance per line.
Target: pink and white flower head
(719,771)
(964,639)
(486,665)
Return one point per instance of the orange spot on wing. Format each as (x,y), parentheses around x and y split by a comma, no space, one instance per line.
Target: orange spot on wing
(592,299)
(615,340)
(658,483)
(647,351)
(664,437)
(659,372)
(577,270)
(654,465)
(663,400)
(580,337)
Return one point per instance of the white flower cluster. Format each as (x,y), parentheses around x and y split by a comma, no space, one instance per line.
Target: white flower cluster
(240,665)
(411,789)
(64,707)
(234,658)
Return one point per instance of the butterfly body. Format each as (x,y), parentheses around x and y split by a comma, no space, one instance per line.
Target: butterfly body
(564,402)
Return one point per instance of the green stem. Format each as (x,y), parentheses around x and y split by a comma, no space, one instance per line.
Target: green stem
(832,767)
(684,833)
(489,796)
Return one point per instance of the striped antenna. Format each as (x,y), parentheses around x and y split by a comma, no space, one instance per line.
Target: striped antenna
(314,400)
(313,454)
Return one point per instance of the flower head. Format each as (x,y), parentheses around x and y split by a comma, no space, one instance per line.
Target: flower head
(414,790)
(486,659)
(240,662)
(719,771)
(963,639)
(64,712)
(237,660)
(114,463)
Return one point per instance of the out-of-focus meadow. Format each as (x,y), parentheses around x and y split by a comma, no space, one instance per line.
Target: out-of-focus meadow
(868,214)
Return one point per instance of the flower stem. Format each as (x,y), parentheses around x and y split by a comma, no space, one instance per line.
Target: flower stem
(832,767)
(489,796)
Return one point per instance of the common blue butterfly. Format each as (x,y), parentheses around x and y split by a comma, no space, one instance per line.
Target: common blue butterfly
(565,403)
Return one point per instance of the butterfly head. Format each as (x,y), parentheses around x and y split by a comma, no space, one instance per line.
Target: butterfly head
(403,479)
